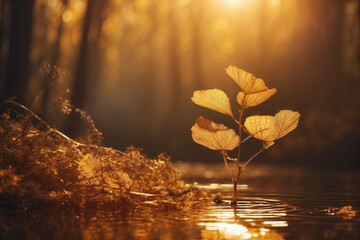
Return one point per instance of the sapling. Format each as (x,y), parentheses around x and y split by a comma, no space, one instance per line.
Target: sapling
(217,136)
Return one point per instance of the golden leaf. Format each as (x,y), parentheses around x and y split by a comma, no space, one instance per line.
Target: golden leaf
(214,136)
(213,99)
(90,168)
(284,122)
(117,179)
(254,99)
(247,82)
(269,128)
(260,127)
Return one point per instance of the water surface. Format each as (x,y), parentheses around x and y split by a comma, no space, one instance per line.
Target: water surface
(274,203)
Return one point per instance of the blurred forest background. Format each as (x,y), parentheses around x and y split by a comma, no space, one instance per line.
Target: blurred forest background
(134,64)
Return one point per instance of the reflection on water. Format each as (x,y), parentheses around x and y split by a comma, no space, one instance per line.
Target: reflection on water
(236,231)
(268,208)
(251,219)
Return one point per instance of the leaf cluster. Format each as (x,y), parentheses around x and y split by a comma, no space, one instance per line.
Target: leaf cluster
(253,91)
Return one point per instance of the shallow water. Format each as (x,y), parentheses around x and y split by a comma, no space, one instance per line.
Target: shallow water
(301,204)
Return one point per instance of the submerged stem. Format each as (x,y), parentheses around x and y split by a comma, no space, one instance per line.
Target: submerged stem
(234,196)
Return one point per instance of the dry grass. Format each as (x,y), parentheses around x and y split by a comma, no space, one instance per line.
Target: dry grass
(41,166)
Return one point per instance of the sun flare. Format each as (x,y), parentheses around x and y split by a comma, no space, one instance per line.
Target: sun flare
(236,1)
(233,1)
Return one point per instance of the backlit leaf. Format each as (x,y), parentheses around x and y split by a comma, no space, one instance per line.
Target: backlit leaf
(284,122)
(269,128)
(254,99)
(260,127)
(247,82)
(214,136)
(89,167)
(214,99)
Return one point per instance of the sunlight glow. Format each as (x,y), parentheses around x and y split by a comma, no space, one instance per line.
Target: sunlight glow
(67,16)
(237,2)
(222,230)
(220,224)
(223,186)
(263,231)
(228,229)
(232,1)
(246,236)
(276,223)
(275,3)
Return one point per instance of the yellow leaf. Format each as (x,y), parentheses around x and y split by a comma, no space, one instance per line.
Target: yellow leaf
(247,82)
(90,168)
(269,128)
(214,136)
(117,179)
(260,127)
(213,99)
(254,99)
(284,122)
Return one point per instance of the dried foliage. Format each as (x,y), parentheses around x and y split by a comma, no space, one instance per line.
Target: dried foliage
(41,166)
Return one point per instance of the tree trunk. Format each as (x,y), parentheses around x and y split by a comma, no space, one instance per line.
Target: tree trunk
(196,15)
(174,56)
(174,111)
(19,50)
(96,57)
(80,83)
(54,60)
(2,32)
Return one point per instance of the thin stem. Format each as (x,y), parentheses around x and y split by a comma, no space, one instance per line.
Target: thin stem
(235,120)
(223,153)
(247,138)
(231,159)
(237,162)
(228,157)
(250,159)
(234,196)
(240,128)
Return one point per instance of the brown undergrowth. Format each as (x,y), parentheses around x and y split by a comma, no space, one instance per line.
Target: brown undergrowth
(41,166)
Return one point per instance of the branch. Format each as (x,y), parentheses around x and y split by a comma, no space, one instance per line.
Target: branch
(229,158)
(250,159)
(235,120)
(224,154)
(247,138)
